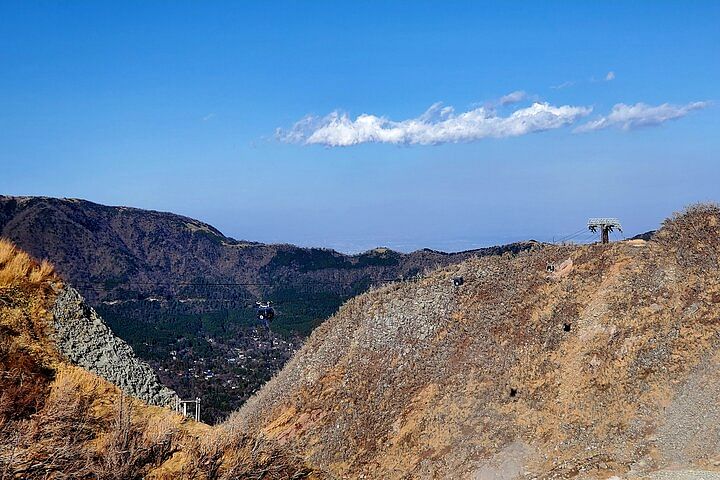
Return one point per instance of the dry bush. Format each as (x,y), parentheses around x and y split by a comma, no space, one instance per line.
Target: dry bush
(7,251)
(53,443)
(255,458)
(134,444)
(17,266)
(224,455)
(24,383)
(75,435)
(43,272)
(205,459)
(693,236)
(24,331)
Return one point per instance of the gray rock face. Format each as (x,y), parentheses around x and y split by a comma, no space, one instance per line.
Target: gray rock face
(86,341)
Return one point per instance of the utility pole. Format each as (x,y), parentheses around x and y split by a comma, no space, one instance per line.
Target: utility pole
(605,225)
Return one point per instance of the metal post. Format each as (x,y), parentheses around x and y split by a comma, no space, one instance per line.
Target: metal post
(606,225)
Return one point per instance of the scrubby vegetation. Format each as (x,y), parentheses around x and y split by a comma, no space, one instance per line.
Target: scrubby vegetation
(607,365)
(154,278)
(698,225)
(61,422)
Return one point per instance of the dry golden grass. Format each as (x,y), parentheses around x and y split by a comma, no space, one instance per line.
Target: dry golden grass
(17,266)
(227,455)
(87,428)
(59,421)
(7,250)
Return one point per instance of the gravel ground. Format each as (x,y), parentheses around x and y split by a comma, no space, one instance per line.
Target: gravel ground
(684,475)
(691,431)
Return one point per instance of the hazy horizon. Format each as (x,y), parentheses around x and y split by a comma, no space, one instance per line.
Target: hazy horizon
(356,125)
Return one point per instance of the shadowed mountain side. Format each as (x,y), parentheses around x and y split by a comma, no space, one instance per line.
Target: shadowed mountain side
(120,253)
(182,294)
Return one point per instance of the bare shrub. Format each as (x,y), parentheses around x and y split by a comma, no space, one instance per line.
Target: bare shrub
(24,383)
(53,442)
(133,444)
(255,458)
(224,455)
(693,236)
(205,458)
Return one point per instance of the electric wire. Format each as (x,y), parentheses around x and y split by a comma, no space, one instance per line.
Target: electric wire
(579,236)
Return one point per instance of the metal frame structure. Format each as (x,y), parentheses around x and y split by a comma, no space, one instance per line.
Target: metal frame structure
(181,406)
(606,225)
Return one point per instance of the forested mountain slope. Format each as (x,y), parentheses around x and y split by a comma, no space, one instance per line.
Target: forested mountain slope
(181,293)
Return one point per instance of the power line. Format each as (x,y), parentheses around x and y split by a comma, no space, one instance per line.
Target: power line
(571,236)
(347,283)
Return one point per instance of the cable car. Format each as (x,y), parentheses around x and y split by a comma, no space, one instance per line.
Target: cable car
(265,313)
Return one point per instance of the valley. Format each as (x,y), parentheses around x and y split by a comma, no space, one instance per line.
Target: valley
(167,283)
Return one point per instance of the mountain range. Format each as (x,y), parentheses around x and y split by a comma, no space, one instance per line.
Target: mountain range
(594,362)
(182,294)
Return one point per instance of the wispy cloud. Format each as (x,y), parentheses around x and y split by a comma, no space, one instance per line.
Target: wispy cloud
(609,77)
(439,124)
(207,117)
(560,86)
(513,97)
(629,117)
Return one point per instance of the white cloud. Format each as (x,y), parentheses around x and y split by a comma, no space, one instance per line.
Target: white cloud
(629,117)
(437,125)
(514,97)
(567,84)
(208,117)
(610,76)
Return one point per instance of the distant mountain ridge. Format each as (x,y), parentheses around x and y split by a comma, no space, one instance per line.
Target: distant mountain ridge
(90,242)
(168,283)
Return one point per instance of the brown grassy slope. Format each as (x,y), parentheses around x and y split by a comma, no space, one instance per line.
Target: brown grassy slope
(59,421)
(428,380)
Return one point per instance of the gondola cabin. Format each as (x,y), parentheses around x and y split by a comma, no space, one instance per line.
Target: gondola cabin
(265,312)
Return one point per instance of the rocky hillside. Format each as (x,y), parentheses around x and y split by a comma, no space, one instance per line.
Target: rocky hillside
(60,421)
(116,253)
(181,293)
(82,337)
(608,365)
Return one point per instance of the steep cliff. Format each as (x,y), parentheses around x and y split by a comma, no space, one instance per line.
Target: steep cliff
(607,363)
(84,339)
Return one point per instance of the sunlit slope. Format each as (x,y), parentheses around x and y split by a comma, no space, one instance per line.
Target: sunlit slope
(609,365)
(59,421)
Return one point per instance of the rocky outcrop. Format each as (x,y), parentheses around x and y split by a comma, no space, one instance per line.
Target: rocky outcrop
(86,341)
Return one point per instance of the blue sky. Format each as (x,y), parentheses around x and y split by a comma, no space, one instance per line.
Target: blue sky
(176,106)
